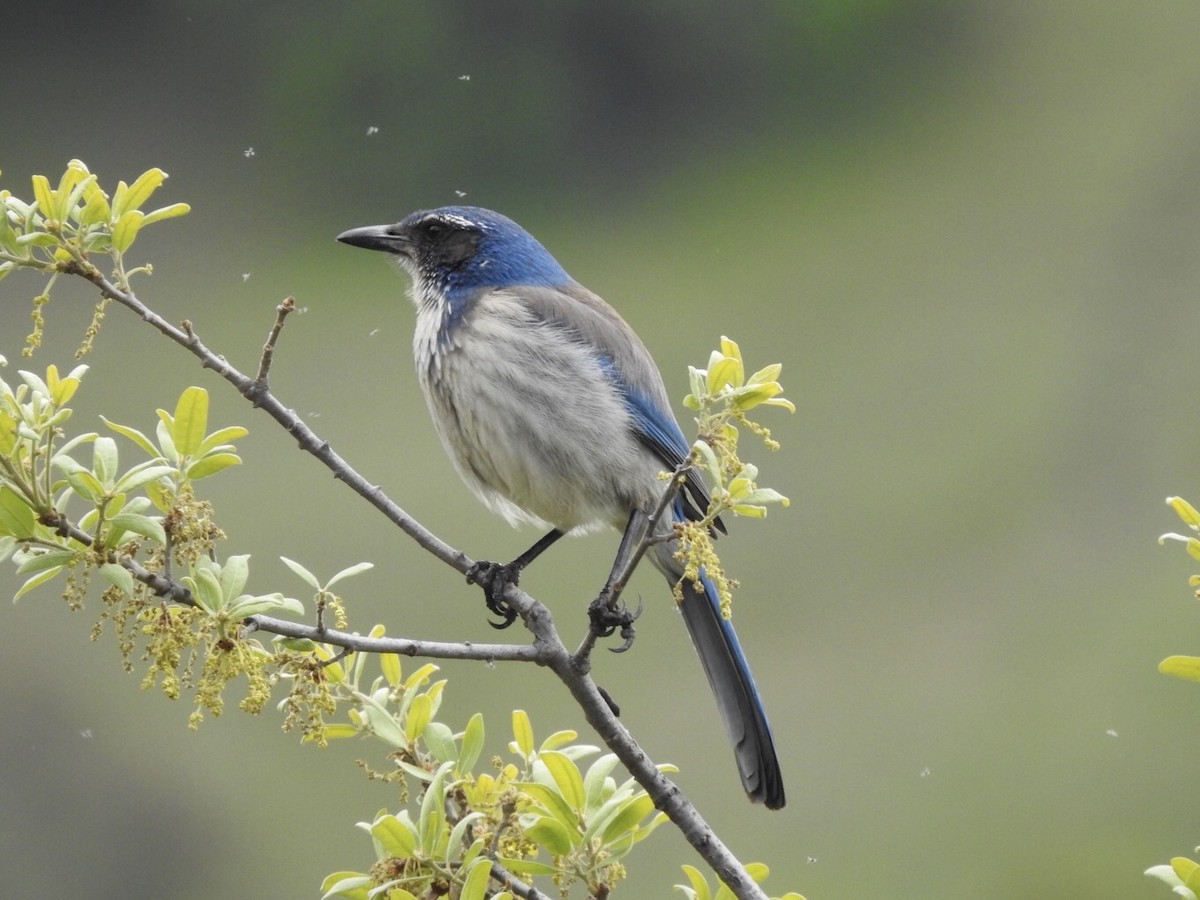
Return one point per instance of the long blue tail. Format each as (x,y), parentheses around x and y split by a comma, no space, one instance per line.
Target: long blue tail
(732,684)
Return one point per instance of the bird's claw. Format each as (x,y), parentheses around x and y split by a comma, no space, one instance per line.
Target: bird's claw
(495,578)
(606,619)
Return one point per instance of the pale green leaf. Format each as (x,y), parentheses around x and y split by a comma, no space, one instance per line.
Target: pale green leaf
(134,435)
(40,560)
(306,576)
(566,777)
(472,744)
(138,524)
(597,776)
(36,580)
(350,885)
(476,883)
(348,572)
(16,516)
(105,460)
(550,835)
(523,732)
(166,212)
(551,802)
(433,811)
(440,740)
(526,866)
(211,465)
(396,837)
(246,606)
(632,813)
(420,711)
(142,474)
(226,435)
(190,421)
(118,576)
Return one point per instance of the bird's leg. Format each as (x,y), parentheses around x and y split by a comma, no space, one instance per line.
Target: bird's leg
(495,577)
(606,612)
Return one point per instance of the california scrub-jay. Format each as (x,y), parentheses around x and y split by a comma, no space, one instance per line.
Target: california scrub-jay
(554,414)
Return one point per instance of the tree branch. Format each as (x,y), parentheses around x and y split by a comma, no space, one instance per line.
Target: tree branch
(547,648)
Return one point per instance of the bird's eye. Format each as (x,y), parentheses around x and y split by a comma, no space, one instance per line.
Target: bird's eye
(434,229)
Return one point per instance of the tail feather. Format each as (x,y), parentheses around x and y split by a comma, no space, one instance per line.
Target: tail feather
(732,684)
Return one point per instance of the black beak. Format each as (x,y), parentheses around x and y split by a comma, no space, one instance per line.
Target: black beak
(375,237)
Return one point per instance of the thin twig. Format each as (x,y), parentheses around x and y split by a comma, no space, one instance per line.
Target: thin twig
(268,351)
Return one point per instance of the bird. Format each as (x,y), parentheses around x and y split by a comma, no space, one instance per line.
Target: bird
(554,413)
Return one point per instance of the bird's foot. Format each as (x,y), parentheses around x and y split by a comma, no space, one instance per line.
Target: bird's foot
(495,578)
(607,618)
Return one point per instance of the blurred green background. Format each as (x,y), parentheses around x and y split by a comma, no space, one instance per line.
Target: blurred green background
(969,232)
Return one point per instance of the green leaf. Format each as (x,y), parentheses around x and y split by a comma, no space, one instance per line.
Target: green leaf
(226,435)
(234,575)
(348,572)
(306,576)
(95,209)
(419,677)
(37,562)
(206,589)
(246,606)
(476,883)
(1186,667)
(351,885)
(561,739)
(472,744)
(134,435)
(523,732)
(726,373)
(105,460)
(190,421)
(551,801)
(457,841)
(126,229)
(118,576)
(765,374)
(420,711)
(433,811)
(566,777)
(396,837)
(551,835)
(138,524)
(16,516)
(143,473)
(86,484)
(699,883)
(142,188)
(300,645)
(43,194)
(166,212)
(526,866)
(440,740)
(382,723)
(636,809)
(596,778)
(211,465)
(389,664)
(36,580)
